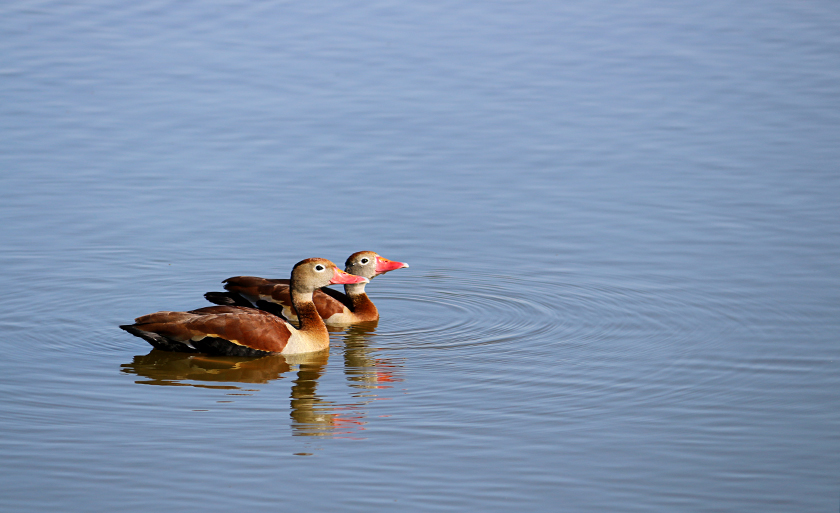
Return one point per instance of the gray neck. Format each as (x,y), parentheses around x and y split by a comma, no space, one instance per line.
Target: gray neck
(354,289)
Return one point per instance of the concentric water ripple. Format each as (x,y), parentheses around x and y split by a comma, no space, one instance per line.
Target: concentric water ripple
(610,322)
(630,337)
(448,308)
(438,308)
(445,309)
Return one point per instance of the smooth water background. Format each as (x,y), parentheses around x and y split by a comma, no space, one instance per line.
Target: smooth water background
(621,220)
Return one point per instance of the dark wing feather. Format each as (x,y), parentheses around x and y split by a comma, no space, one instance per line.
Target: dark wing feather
(248,328)
(226,299)
(328,301)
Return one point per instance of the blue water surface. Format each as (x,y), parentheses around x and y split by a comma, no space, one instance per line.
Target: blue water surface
(621,221)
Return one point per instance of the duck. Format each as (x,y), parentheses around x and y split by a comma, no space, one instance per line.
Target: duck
(337,309)
(245,331)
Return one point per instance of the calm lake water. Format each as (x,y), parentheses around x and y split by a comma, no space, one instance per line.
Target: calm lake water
(621,220)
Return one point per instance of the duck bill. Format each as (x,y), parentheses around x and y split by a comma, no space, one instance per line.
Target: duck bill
(383,265)
(341,277)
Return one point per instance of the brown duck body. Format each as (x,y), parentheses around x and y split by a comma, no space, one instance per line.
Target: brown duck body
(243,331)
(273,296)
(337,309)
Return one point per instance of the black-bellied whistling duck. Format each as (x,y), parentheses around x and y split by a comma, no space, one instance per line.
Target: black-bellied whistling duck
(241,331)
(336,309)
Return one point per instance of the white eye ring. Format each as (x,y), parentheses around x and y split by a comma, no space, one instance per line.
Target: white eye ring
(365,260)
(319,267)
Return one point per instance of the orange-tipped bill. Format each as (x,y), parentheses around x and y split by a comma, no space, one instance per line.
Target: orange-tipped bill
(341,277)
(383,265)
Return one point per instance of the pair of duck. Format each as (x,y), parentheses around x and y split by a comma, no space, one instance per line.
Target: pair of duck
(237,328)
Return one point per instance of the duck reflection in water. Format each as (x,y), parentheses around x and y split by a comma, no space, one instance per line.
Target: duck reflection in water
(311,414)
(364,370)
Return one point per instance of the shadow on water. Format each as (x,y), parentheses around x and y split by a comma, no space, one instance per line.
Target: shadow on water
(188,369)
(365,370)
(311,413)
(366,374)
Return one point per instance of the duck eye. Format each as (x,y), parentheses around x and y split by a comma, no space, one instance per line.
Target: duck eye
(365,260)
(319,267)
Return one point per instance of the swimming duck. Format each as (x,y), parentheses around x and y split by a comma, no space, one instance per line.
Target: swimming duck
(335,308)
(243,331)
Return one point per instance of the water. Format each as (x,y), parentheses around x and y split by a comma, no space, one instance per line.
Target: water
(621,221)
